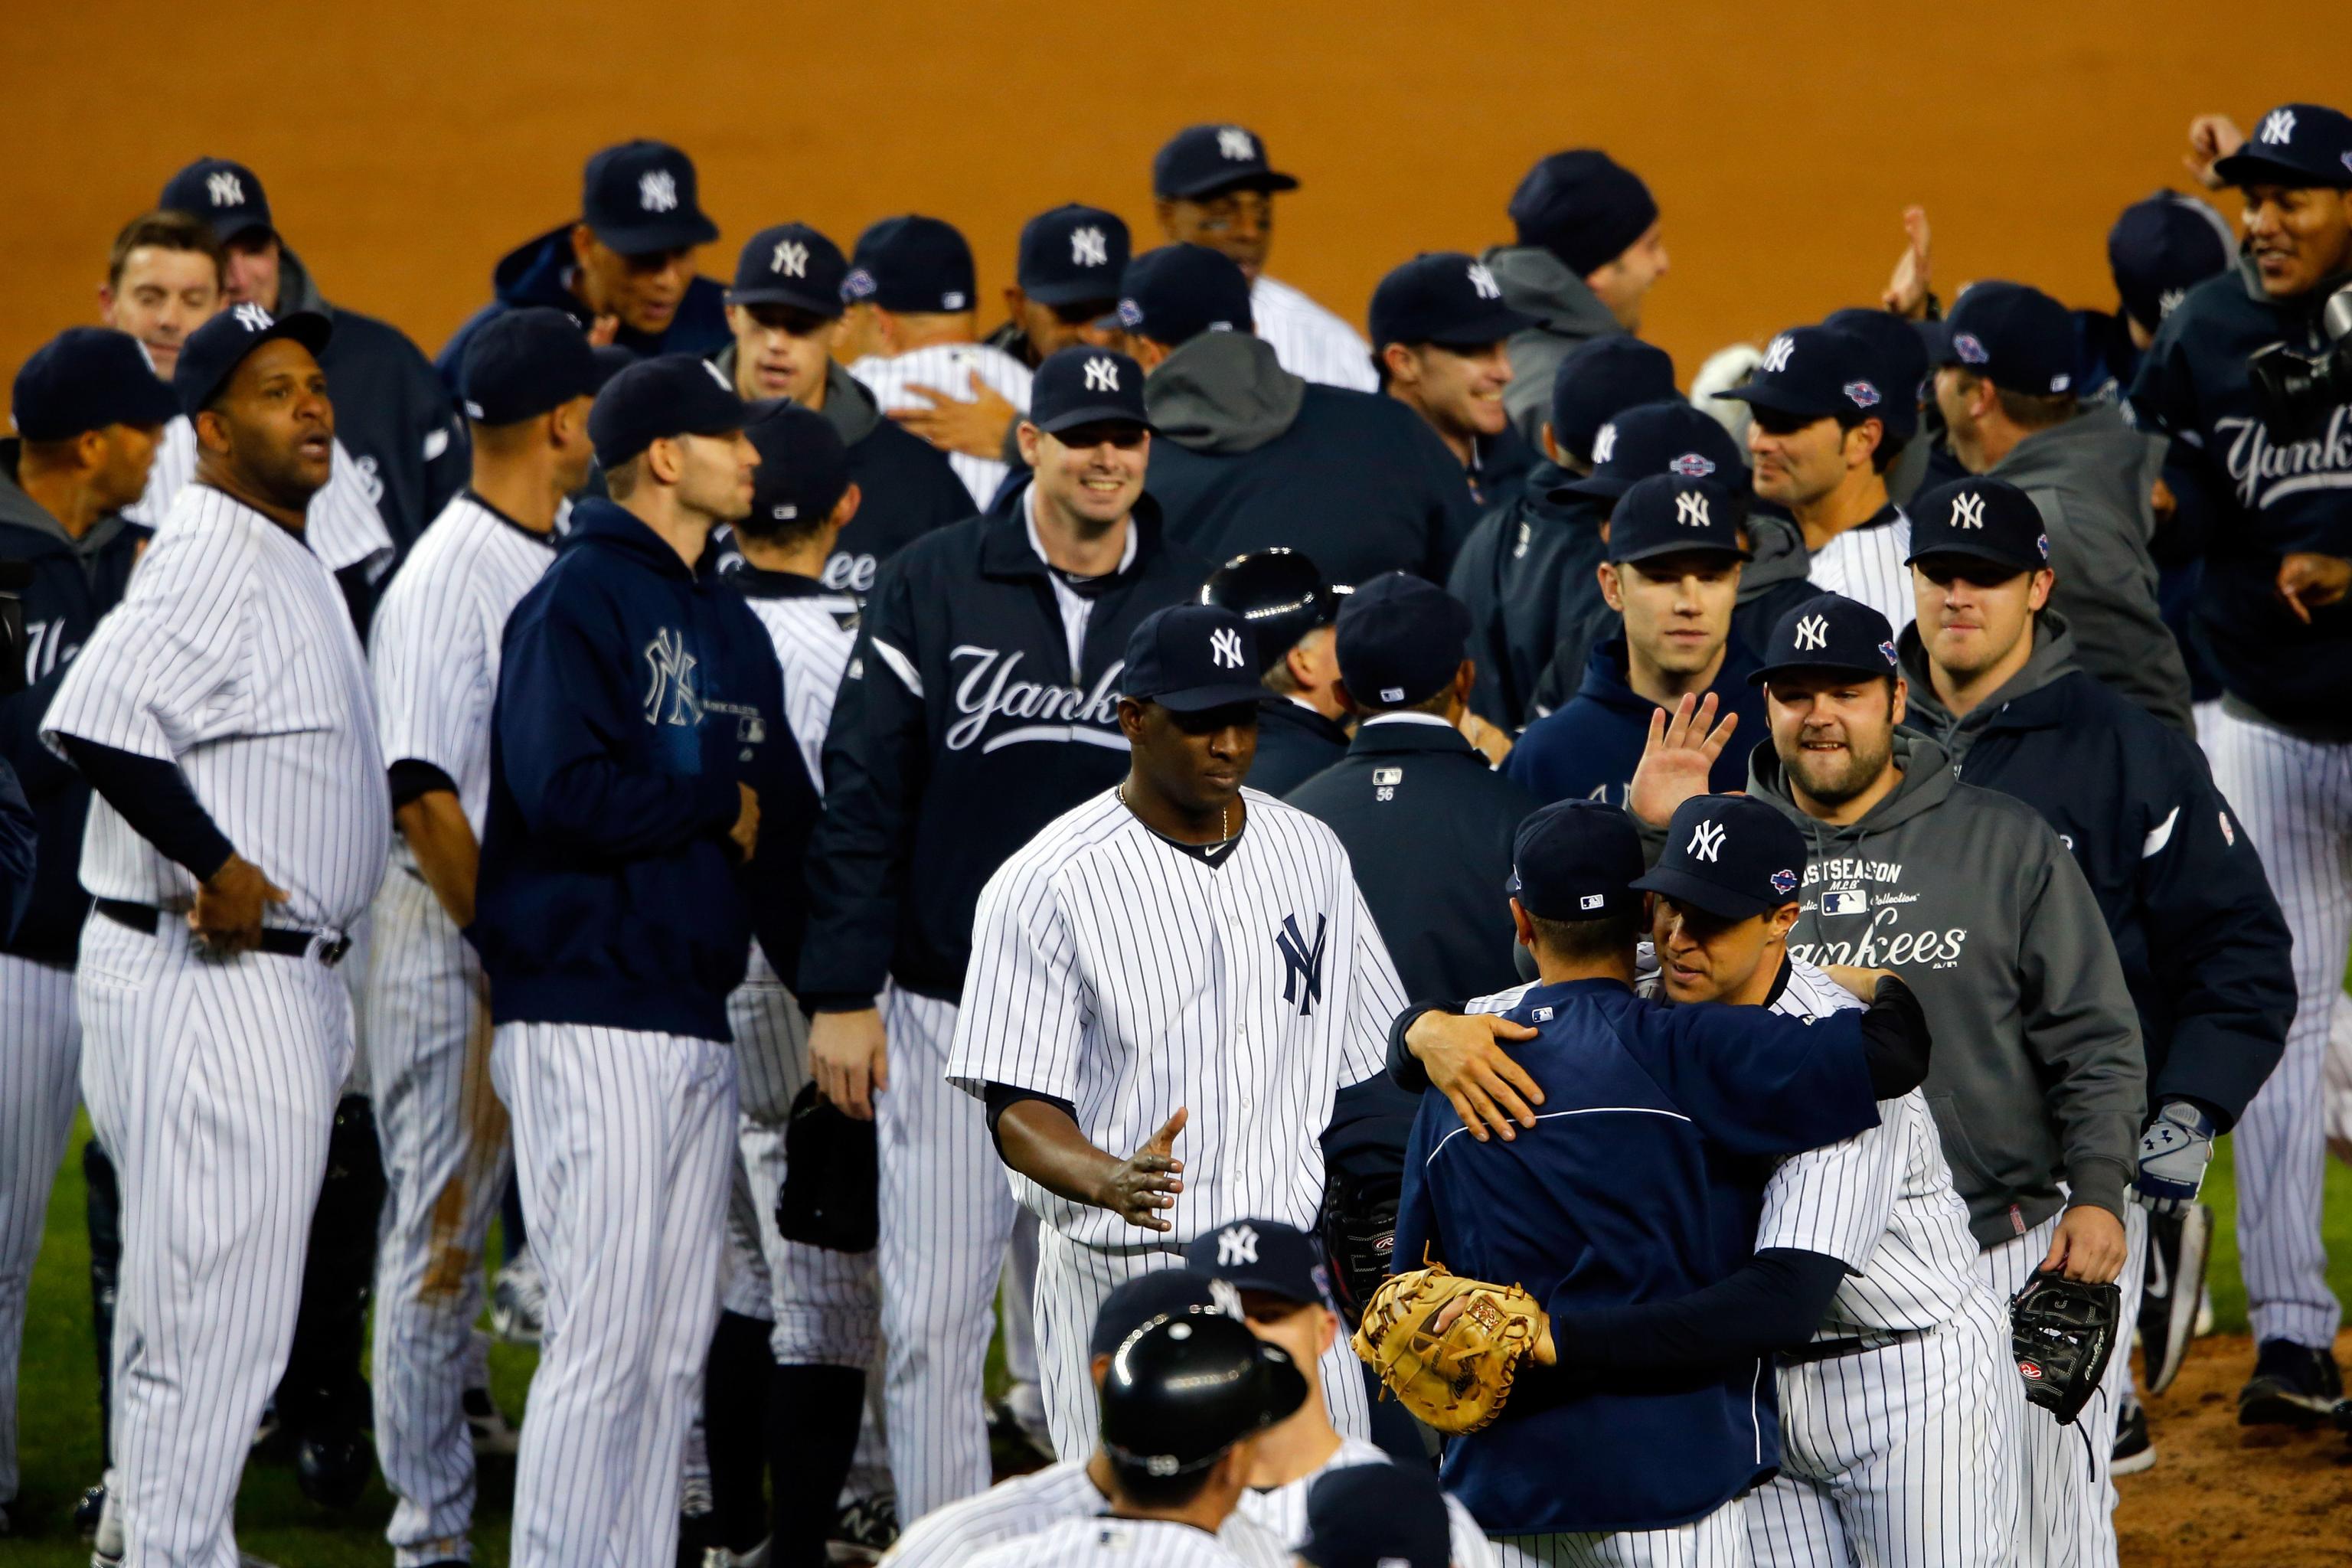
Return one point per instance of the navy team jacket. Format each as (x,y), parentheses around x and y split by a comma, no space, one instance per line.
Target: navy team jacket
(632,699)
(1643,1180)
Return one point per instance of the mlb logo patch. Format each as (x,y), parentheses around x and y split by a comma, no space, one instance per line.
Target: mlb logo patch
(1541,1015)
(1591,901)
(1845,902)
(1388,775)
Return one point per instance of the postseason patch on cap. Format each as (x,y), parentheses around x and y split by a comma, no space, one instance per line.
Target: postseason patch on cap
(1888,650)
(1131,314)
(858,285)
(1861,393)
(1690,465)
(1971,351)
(1784,881)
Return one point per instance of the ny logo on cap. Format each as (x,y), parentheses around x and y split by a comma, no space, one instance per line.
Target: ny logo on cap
(1089,248)
(1102,375)
(225,189)
(1303,964)
(1691,465)
(1967,511)
(1226,1296)
(791,258)
(1812,633)
(657,191)
(1484,281)
(1234,143)
(1604,443)
(1236,1245)
(252,318)
(2278,127)
(1971,351)
(1225,647)
(1706,841)
(2169,300)
(1861,393)
(1777,352)
(1690,510)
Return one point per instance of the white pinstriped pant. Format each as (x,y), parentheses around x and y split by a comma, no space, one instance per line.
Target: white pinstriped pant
(41,1073)
(425,1033)
(1718,1541)
(2295,797)
(623,1139)
(212,1083)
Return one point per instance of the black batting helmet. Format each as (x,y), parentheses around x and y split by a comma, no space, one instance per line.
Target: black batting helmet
(1280,592)
(1187,1386)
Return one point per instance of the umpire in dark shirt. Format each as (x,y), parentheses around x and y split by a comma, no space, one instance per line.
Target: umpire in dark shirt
(1426,822)
(1301,727)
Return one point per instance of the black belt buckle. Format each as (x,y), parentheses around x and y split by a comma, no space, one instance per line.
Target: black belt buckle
(147,919)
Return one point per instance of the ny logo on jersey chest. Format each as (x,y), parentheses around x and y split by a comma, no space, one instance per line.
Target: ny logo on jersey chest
(671,697)
(1302,978)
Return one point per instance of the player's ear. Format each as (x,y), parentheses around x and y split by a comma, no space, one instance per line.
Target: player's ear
(1521,927)
(1403,364)
(2038,594)
(1551,444)
(846,506)
(212,430)
(1898,702)
(1784,919)
(1165,211)
(1612,588)
(584,243)
(1026,436)
(1130,719)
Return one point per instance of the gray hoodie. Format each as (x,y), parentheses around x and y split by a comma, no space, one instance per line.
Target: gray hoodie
(1222,392)
(1537,283)
(2091,478)
(2038,1075)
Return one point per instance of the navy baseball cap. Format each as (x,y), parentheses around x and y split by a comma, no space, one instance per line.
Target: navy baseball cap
(1190,658)
(1176,293)
(803,468)
(524,362)
(1829,632)
(1163,1292)
(640,198)
(2162,247)
(1599,379)
(86,378)
(1668,438)
(790,264)
(1081,385)
(1730,856)
(1442,297)
(655,399)
(213,351)
(1982,519)
(1377,1516)
(1399,639)
(1072,255)
(612,359)
(912,263)
(1280,592)
(1666,514)
(1814,373)
(1898,360)
(1264,1256)
(1210,159)
(225,194)
(2013,335)
(1583,206)
(1575,861)
(1185,1388)
(2295,144)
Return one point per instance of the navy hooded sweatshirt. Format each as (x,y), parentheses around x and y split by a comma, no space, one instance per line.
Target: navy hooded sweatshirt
(1590,748)
(632,699)
(536,272)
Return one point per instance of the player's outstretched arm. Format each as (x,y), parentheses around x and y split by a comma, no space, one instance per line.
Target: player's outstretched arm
(1464,1058)
(1678,759)
(1042,1140)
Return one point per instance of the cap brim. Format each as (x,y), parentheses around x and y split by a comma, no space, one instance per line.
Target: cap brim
(154,403)
(1201,699)
(675,232)
(2250,168)
(1266,179)
(1078,291)
(1947,552)
(1591,487)
(1097,414)
(1827,667)
(241,223)
(813,302)
(1704,896)
(1780,400)
(1678,547)
(1493,327)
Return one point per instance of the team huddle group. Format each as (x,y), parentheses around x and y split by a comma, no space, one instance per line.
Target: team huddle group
(862,837)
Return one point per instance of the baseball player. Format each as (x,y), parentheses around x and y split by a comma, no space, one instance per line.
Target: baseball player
(1146,964)
(221,711)
(528,383)
(1212,186)
(625,266)
(1065,280)
(976,707)
(784,310)
(88,412)
(1900,370)
(1081,1486)
(1586,253)
(1822,451)
(1183,1398)
(911,287)
(640,761)
(1294,611)
(1283,1281)
(2272,620)
(393,414)
(1438,326)
(2159,249)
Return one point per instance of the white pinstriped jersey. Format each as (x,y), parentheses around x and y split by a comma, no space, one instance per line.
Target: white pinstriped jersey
(950,1537)
(435,644)
(1111,1544)
(949,368)
(343,527)
(1881,1201)
(1283,1509)
(1309,340)
(1114,969)
(1866,563)
(233,655)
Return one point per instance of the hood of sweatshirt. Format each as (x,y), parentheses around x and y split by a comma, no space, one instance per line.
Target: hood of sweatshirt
(1778,546)
(1222,392)
(2053,657)
(18,510)
(296,291)
(849,403)
(1927,783)
(2097,452)
(1537,283)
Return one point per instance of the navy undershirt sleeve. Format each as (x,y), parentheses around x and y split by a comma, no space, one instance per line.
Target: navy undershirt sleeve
(1773,1301)
(412,778)
(154,798)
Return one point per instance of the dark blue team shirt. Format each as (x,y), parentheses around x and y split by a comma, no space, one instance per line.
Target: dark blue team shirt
(1589,748)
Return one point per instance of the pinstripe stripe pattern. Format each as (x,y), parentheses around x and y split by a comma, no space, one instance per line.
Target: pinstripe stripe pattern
(1283,1509)
(40,1068)
(1718,1541)
(1309,340)
(949,368)
(812,638)
(623,1139)
(1126,1543)
(1866,563)
(1026,1505)
(2293,798)
(344,526)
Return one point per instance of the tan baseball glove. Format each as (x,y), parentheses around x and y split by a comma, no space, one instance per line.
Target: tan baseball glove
(1453,1369)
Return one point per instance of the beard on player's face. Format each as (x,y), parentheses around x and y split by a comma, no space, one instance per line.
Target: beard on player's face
(1834,738)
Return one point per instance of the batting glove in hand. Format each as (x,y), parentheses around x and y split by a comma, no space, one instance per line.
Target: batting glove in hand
(2173,1155)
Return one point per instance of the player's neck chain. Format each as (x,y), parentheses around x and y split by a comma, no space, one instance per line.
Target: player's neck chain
(1213,852)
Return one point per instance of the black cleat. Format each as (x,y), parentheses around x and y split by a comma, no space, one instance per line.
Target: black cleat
(87,1511)
(2292,1385)
(332,1469)
(2177,1246)
(2134,1453)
